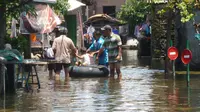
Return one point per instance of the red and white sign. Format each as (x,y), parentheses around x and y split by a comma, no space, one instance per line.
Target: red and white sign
(172,53)
(186,56)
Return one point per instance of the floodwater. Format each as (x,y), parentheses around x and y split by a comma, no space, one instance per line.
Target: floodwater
(139,90)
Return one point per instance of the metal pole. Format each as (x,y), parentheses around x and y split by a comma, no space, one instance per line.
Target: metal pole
(188,68)
(174,74)
(189,96)
(188,75)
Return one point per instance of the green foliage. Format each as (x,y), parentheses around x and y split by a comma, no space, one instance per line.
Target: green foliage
(61,6)
(19,43)
(134,11)
(15,7)
(185,7)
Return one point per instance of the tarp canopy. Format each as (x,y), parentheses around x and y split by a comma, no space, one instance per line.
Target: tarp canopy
(74,4)
(44,22)
(11,55)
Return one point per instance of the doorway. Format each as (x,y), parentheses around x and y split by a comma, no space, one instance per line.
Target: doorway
(109,10)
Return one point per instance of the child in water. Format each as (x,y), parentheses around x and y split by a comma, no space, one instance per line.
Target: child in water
(86,57)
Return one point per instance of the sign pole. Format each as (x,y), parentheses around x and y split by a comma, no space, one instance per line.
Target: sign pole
(188,68)
(174,74)
(173,62)
(188,75)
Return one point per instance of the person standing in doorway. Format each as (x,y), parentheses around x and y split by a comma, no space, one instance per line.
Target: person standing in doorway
(90,30)
(62,46)
(113,43)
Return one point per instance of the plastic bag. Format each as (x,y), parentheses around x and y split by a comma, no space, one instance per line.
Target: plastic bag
(50,53)
(62,75)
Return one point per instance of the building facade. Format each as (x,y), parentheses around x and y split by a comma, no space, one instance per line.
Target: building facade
(110,7)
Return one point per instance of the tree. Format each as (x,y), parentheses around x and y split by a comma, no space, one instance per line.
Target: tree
(134,12)
(183,7)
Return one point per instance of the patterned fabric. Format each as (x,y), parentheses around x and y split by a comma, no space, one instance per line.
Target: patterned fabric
(111,44)
(97,45)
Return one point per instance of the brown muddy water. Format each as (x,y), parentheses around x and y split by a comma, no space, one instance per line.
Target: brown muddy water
(139,90)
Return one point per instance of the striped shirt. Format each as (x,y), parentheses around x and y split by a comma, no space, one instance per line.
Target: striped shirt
(112,45)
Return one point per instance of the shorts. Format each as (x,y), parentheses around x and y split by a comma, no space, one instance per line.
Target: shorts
(59,66)
(105,64)
(116,61)
(51,66)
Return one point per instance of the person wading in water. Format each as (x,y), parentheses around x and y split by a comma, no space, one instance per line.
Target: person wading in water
(113,43)
(62,46)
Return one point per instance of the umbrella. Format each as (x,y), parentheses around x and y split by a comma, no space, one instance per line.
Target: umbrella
(102,19)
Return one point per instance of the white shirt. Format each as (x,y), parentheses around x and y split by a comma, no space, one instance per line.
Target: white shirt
(86,59)
(90,30)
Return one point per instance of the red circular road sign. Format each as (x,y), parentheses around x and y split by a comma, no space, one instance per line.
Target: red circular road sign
(186,56)
(172,53)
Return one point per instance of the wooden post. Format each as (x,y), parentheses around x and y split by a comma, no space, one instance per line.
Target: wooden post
(3,25)
(81,28)
(27,52)
(10,79)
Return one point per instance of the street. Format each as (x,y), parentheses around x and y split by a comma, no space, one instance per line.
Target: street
(140,90)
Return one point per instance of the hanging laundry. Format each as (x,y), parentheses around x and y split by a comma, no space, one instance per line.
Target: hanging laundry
(13,29)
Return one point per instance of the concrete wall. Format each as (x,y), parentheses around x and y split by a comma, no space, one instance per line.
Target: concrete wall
(98,7)
(94,9)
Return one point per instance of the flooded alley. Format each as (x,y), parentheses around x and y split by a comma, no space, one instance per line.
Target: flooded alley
(140,90)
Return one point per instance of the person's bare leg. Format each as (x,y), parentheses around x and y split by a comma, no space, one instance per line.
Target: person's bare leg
(119,74)
(112,70)
(66,73)
(50,74)
(57,76)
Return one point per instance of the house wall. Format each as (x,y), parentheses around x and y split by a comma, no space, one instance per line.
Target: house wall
(186,31)
(97,8)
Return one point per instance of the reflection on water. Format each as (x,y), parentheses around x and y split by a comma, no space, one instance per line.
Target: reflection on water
(140,89)
(130,58)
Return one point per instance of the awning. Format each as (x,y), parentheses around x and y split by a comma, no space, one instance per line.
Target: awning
(74,4)
(45,1)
